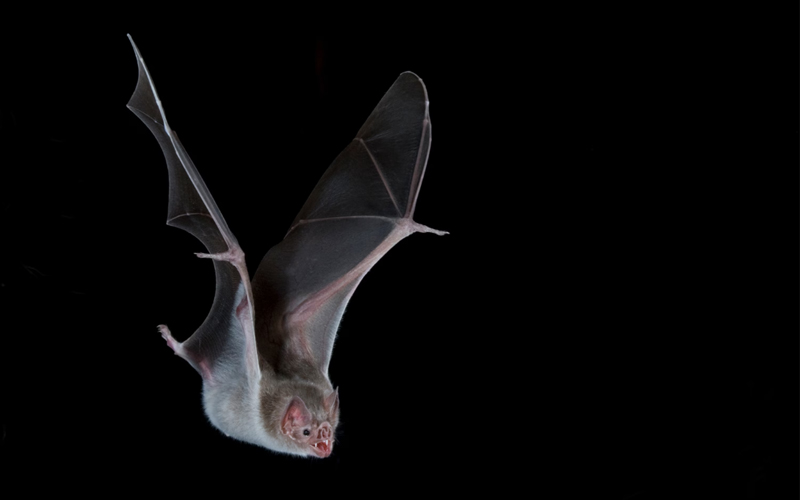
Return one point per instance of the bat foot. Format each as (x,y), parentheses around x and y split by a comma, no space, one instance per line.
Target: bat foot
(177,347)
(173,344)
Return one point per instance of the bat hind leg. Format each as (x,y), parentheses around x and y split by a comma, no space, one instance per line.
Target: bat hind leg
(179,350)
(177,347)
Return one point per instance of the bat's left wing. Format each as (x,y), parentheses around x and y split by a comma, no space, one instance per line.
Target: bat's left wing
(361,207)
(226,338)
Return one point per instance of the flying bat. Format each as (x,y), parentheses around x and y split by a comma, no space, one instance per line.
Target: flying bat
(263,350)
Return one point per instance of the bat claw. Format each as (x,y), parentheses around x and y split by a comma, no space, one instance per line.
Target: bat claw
(419,228)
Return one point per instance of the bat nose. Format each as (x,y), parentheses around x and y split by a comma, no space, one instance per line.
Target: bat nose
(324,431)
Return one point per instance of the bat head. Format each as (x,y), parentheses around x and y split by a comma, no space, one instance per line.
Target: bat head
(311,427)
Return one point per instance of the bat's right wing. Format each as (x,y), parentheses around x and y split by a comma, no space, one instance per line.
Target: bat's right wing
(361,207)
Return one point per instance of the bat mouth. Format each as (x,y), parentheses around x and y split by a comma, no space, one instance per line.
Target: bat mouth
(322,448)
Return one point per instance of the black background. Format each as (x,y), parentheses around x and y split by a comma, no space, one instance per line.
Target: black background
(613,312)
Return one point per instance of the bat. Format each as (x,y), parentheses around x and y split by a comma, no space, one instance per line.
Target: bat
(263,350)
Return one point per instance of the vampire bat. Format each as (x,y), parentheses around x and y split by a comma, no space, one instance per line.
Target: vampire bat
(264,348)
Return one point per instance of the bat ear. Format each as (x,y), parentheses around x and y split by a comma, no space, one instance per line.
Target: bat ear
(296,416)
(331,402)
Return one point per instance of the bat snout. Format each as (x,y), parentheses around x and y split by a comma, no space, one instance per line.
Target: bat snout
(323,442)
(324,431)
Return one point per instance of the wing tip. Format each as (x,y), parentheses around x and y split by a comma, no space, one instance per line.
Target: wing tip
(411,73)
(135,48)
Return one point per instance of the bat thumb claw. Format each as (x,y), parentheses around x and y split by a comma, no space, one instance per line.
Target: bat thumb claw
(425,229)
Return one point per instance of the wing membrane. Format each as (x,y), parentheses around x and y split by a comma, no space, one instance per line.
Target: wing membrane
(228,329)
(361,207)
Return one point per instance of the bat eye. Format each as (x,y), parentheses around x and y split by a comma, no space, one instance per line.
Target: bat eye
(306,432)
